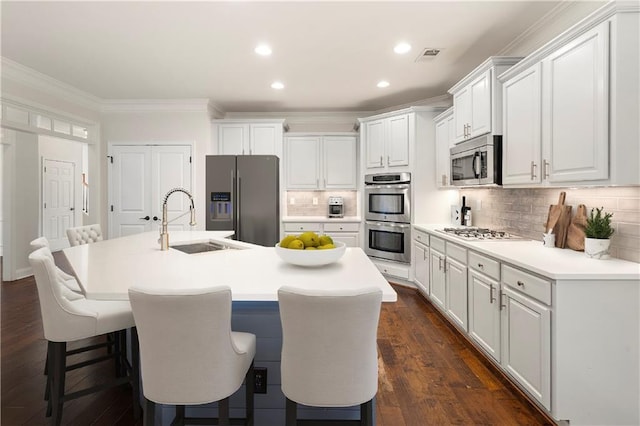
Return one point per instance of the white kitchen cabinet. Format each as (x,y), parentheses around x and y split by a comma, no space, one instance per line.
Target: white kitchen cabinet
(345,232)
(438,287)
(575,127)
(526,343)
(484,312)
(477,100)
(420,260)
(455,268)
(321,162)
(242,137)
(387,141)
(521,150)
(568,107)
(444,141)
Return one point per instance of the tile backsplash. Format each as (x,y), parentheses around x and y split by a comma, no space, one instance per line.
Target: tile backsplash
(524,211)
(303,203)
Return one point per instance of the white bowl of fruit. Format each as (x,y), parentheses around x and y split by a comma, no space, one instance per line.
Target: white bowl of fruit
(309,249)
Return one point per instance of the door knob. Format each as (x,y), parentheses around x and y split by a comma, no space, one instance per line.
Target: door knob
(145,218)
(71,208)
(155,218)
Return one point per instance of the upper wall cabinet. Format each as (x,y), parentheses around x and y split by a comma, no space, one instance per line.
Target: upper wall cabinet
(321,162)
(444,141)
(249,137)
(567,106)
(477,99)
(387,142)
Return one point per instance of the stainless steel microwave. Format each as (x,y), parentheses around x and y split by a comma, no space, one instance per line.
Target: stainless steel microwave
(477,161)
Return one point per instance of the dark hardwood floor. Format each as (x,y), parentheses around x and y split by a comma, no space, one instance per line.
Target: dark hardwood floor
(429,374)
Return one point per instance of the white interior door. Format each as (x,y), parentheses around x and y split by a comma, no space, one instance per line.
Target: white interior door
(59,203)
(170,168)
(140,177)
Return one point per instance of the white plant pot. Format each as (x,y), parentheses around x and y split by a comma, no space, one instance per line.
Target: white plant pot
(596,248)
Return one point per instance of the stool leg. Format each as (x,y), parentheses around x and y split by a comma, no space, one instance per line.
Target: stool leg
(366,413)
(223,412)
(291,413)
(180,415)
(47,392)
(149,413)
(249,388)
(57,381)
(135,372)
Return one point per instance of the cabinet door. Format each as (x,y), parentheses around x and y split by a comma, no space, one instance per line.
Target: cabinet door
(456,279)
(233,139)
(339,162)
(436,268)
(526,344)
(265,139)
(303,162)
(374,144)
(420,261)
(521,145)
(398,141)
(484,313)
(461,113)
(576,126)
(480,107)
(443,162)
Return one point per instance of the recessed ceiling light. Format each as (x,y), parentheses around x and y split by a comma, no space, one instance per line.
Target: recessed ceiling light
(277,85)
(263,50)
(402,48)
(382,84)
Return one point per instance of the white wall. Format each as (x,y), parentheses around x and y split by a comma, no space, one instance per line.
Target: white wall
(182,127)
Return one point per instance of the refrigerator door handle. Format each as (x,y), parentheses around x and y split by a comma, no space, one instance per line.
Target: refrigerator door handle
(238,209)
(234,201)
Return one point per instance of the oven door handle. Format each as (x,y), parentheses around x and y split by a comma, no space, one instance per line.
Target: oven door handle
(388,186)
(476,164)
(389,225)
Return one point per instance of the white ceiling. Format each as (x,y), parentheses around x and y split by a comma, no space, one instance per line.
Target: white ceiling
(329,55)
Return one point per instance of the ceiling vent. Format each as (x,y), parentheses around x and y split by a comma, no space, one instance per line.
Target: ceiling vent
(428,53)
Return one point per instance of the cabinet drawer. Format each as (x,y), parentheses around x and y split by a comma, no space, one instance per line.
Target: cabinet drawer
(485,265)
(436,243)
(421,236)
(341,227)
(529,284)
(302,227)
(393,271)
(456,252)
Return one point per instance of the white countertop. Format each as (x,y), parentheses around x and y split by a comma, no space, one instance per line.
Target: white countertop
(321,219)
(554,263)
(108,268)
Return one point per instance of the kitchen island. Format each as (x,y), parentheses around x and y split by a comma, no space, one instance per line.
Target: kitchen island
(107,269)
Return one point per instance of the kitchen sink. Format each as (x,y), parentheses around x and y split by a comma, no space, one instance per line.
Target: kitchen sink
(201,247)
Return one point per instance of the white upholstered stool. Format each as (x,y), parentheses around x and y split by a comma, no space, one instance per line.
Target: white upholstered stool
(69,280)
(84,234)
(66,320)
(329,349)
(188,353)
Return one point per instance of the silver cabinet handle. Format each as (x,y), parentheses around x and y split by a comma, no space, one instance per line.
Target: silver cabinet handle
(388,160)
(317,182)
(381,160)
(502,305)
(533,170)
(440,264)
(546,168)
(480,265)
(491,298)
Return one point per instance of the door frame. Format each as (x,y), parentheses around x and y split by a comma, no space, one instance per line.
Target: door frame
(111,144)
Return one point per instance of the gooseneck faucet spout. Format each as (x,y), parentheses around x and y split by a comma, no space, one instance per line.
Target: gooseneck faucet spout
(164,232)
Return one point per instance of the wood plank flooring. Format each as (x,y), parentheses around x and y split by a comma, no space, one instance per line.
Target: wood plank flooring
(429,374)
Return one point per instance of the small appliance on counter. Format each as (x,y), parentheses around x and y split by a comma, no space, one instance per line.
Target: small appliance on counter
(336,207)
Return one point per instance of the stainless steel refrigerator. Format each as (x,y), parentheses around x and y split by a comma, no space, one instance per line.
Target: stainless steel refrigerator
(243,194)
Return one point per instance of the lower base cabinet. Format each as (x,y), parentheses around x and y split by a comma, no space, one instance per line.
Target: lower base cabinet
(420,262)
(456,279)
(438,278)
(484,313)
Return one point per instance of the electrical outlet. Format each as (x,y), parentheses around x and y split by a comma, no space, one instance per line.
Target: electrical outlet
(292,201)
(315,201)
(259,380)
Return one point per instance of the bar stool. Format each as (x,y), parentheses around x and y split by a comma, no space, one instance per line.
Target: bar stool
(188,353)
(329,349)
(84,234)
(69,280)
(66,320)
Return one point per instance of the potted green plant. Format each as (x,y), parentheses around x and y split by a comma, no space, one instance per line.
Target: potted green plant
(597,233)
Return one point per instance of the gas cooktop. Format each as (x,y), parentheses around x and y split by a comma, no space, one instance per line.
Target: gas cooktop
(476,234)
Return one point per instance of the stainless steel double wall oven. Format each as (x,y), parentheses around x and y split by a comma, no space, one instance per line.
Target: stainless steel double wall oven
(388,216)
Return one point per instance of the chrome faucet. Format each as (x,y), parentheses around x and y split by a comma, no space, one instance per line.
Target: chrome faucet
(164,233)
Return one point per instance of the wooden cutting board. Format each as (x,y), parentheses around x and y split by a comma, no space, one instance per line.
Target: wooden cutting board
(575,234)
(559,219)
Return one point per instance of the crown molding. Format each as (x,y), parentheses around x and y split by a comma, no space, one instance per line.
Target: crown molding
(29,77)
(155,105)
